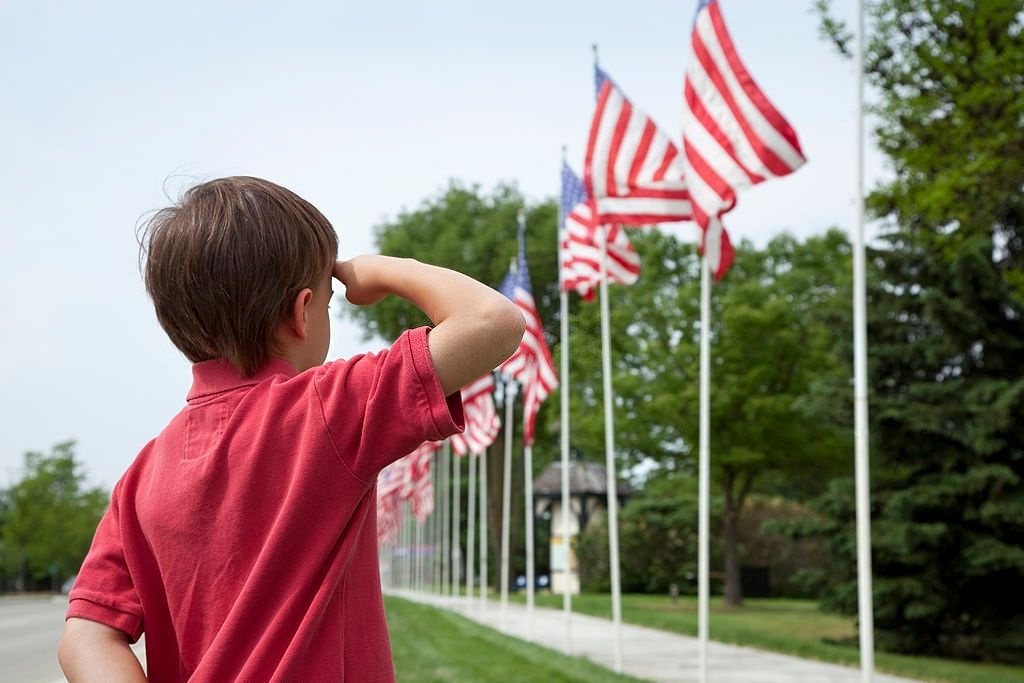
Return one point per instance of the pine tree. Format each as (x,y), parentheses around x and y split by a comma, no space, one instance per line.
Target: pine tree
(946,336)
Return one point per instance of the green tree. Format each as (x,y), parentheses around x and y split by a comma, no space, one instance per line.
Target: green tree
(51,517)
(771,342)
(946,333)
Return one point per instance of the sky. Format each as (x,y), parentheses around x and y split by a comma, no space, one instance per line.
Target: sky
(364,109)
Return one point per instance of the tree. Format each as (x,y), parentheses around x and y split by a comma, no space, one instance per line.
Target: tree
(50,518)
(770,344)
(946,333)
(765,430)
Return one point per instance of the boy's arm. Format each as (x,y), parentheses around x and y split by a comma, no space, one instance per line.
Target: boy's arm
(475,327)
(91,651)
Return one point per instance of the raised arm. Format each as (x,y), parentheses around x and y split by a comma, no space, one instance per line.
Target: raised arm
(475,327)
(93,652)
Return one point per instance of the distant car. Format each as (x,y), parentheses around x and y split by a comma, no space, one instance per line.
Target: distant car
(66,588)
(540,581)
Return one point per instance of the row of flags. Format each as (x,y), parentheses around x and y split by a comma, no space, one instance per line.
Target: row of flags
(634,174)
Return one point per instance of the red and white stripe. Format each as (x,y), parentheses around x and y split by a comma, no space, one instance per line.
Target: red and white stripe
(389,485)
(418,483)
(581,253)
(733,137)
(633,171)
(481,417)
(531,365)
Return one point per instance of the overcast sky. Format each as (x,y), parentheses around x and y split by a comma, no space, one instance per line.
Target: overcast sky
(362,108)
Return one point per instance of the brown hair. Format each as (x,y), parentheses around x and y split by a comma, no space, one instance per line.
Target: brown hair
(224,264)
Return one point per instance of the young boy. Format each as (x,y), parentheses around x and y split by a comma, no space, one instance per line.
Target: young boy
(242,539)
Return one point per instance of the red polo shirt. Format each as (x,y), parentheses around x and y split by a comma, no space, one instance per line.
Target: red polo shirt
(242,540)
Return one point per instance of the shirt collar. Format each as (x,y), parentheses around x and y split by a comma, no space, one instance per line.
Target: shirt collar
(218,375)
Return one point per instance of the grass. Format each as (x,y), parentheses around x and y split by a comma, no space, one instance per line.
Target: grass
(794,627)
(435,646)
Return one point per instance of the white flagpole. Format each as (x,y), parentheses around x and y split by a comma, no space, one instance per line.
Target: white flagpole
(506,494)
(483,531)
(456,522)
(446,454)
(470,531)
(564,383)
(418,582)
(528,514)
(704,472)
(865,609)
(609,450)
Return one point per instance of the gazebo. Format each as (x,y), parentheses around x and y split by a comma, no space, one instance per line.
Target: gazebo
(588,496)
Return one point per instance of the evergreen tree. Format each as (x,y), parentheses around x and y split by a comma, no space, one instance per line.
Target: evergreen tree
(946,336)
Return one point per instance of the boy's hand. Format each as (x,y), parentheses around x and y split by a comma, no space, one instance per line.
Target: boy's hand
(363,287)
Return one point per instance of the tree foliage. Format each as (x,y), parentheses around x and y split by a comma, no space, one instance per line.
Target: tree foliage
(772,331)
(946,334)
(50,517)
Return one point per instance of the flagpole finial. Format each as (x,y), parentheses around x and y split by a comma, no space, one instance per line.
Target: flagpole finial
(596,56)
(565,150)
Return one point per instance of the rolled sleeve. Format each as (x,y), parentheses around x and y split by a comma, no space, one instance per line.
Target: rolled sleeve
(84,608)
(104,590)
(380,406)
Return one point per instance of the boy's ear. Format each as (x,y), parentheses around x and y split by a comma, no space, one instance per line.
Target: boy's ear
(298,319)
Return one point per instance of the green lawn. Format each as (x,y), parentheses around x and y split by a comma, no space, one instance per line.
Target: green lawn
(790,626)
(434,646)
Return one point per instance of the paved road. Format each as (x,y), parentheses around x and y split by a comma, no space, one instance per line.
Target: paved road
(30,629)
(651,654)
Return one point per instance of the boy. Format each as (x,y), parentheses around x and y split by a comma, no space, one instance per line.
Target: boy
(242,539)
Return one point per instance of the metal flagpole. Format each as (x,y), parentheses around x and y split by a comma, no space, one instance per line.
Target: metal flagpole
(506,493)
(564,383)
(609,451)
(456,522)
(483,530)
(435,519)
(470,531)
(528,514)
(704,471)
(446,454)
(418,581)
(865,608)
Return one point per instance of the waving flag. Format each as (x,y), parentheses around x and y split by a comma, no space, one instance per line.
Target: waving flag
(633,171)
(581,252)
(733,137)
(482,422)
(531,365)
(417,483)
(389,484)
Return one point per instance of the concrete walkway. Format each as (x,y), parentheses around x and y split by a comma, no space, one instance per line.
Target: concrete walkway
(649,653)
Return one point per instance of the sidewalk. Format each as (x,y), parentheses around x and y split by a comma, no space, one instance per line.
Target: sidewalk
(649,653)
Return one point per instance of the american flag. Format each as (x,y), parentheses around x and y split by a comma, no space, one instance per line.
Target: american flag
(531,365)
(733,137)
(389,484)
(417,483)
(633,171)
(581,252)
(482,422)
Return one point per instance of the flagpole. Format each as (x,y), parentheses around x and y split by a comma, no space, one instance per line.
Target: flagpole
(456,522)
(446,454)
(865,607)
(704,472)
(506,494)
(564,383)
(609,449)
(470,531)
(483,531)
(418,580)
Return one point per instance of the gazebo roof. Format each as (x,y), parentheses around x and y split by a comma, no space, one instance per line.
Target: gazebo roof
(585,478)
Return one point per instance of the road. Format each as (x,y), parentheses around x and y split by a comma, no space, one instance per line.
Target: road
(30,628)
